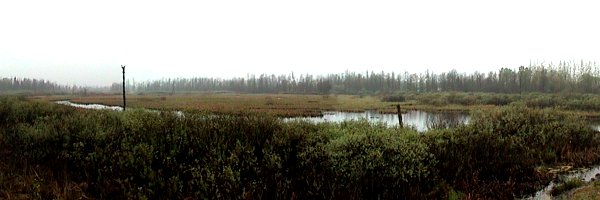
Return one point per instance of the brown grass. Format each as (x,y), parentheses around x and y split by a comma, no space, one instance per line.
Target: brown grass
(284,105)
(276,104)
(288,105)
(589,192)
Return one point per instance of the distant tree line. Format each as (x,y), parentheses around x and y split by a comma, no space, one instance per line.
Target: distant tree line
(564,77)
(37,86)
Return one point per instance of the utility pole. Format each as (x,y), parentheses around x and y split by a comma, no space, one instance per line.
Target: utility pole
(124,102)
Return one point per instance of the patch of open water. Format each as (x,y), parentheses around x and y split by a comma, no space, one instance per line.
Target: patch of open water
(584,174)
(420,120)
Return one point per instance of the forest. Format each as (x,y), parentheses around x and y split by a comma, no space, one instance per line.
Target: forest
(564,77)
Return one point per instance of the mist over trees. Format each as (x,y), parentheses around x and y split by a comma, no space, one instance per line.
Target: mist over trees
(564,77)
(37,86)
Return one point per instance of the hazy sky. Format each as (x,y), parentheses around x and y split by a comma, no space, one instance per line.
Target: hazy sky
(85,42)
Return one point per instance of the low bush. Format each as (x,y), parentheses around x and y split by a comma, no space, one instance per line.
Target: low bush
(394,98)
(497,152)
(568,101)
(566,185)
(141,154)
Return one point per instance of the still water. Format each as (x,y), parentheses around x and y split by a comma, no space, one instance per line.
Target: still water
(90,106)
(105,107)
(420,120)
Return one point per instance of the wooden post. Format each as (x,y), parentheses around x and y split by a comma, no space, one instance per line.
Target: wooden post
(124,101)
(399,115)
(173,88)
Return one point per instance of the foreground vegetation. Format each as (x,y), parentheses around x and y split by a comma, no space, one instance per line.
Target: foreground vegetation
(54,151)
(588,192)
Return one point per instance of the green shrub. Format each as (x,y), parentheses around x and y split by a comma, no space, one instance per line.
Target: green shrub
(394,98)
(566,185)
(143,154)
(504,146)
(455,195)
(380,162)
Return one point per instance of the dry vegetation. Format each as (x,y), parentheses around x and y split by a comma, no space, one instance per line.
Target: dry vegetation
(294,105)
(277,104)
(282,105)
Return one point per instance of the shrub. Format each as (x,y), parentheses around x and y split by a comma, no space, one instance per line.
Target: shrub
(143,154)
(394,98)
(502,147)
(566,185)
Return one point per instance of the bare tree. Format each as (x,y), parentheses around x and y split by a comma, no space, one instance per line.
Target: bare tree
(124,102)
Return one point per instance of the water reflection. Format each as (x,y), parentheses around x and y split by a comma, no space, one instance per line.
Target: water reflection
(420,120)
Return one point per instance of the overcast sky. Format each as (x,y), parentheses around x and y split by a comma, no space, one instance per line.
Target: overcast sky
(85,42)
